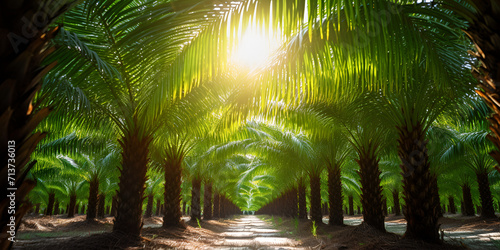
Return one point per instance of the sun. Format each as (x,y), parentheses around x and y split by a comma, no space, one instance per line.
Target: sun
(254,49)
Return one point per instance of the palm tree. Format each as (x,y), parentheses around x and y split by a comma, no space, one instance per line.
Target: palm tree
(23,50)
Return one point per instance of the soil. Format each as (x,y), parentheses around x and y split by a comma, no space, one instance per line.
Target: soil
(240,232)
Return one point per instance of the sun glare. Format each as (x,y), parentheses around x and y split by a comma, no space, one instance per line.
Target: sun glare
(254,49)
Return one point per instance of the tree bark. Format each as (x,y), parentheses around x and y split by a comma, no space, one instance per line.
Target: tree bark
(195,199)
(50,204)
(172,204)
(71,207)
(135,150)
(395,199)
(149,207)
(207,201)
(101,203)
(315,182)
(351,205)
(216,212)
(158,207)
(302,200)
(335,196)
(114,204)
(451,203)
(371,196)
(487,210)
(92,202)
(419,185)
(56,208)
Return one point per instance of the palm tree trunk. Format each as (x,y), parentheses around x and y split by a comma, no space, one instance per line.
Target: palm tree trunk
(158,207)
(487,210)
(483,32)
(207,201)
(195,199)
(56,207)
(149,207)
(451,204)
(24,44)
(92,204)
(371,197)
(50,204)
(315,181)
(37,209)
(335,196)
(384,206)
(101,203)
(419,185)
(114,204)
(135,149)
(172,204)
(351,205)
(302,200)
(71,207)
(395,199)
(216,213)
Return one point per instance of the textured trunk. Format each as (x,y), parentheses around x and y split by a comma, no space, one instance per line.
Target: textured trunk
(302,200)
(315,198)
(114,204)
(384,206)
(101,204)
(451,204)
(172,205)
(37,209)
(195,199)
(56,207)
(158,207)
(419,185)
(71,206)
(335,196)
(207,202)
(351,205)
(149,207)
(50,204)
(24,44)
(216,213)
(371,196)
(483,30)
(133,177)
(92,204)
(487,210)
(395,200)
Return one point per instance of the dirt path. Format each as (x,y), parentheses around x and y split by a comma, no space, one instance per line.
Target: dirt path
(250,232)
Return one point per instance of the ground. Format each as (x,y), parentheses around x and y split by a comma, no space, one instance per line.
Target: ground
(251,232)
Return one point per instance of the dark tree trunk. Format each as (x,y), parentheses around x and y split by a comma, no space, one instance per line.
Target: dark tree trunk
(37,209)
(335,196)
(56,207)
(395,200)
(83,209)
(25,43)
(384,206)
(315,198)
(216,213)
(184,207)
(302,200)
(135,149)
(207,201)
(172,204)
(451,203)
(71,206)
(437,199)
(149,207)
(487,210)
(158,207)
(371,196)
(114,205)
(419,185)
(195,199)
(50,204)
(93,198)
(351,205)
(101,203)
